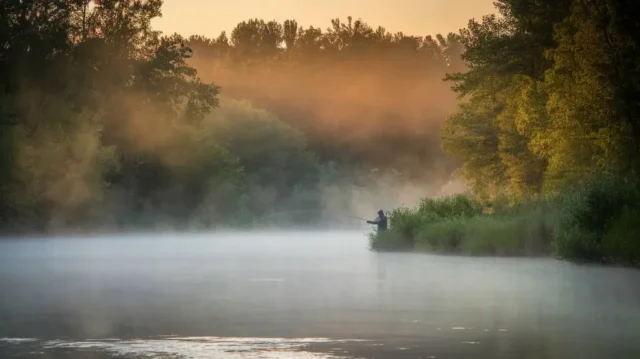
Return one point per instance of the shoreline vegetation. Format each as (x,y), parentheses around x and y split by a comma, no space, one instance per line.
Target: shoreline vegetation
(547,130)
(596,223)
(107,125)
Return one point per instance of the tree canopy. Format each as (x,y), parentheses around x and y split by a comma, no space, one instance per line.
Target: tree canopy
(106,123)
(547,100)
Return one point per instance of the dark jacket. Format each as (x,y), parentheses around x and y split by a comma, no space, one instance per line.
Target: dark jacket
(381,221)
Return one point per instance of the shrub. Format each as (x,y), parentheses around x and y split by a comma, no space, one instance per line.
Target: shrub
(456,225)
(598,221)
(621,243)
(528,232)
(459,205)
(406,223)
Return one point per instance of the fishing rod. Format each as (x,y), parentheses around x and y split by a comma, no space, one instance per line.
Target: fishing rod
(258,220)
(363,219)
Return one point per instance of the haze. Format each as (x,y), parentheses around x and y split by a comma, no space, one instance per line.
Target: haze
(417,17)
(209,190)
(227,295)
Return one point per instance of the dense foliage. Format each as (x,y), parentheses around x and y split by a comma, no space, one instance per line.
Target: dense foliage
(98,113)
(548,118)
(106,124)
(360,95)
(461,224)
(597,222)
(600,222)
(549,98)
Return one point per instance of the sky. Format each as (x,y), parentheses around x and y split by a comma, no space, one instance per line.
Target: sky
(412,17)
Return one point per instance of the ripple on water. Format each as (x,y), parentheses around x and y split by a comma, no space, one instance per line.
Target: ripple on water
(17,340)
(195,347)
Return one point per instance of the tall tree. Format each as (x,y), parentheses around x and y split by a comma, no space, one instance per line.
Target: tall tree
(505,59)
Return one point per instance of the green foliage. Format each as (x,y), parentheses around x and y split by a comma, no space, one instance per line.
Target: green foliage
(546,106)
(545,94)
(277,164)
(621,243)
(597,222)
(342,87)
(159,150)
(107,124)
(492,130)
(443,236)
(389,241)
(80,86)
(406,224)
(541,96)
(456,206)
(456,225)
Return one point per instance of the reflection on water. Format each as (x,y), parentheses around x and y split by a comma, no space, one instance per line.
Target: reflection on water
(306,285)
(177,347)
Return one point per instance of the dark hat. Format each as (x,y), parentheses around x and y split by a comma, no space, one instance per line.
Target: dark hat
(380,212)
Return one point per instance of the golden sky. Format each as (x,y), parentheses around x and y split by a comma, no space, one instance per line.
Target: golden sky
(413,17)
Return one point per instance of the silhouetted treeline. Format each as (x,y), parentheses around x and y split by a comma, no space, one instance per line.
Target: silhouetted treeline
(107,125)
(361,95)
(99,119)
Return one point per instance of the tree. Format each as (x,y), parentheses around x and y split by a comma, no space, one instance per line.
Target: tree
(505,60)
(343,87)
(274,156)
(81,83)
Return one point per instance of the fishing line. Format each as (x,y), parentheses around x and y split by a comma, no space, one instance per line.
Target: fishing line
(257,220)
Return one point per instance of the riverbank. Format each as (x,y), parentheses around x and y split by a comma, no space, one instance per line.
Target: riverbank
(600,222)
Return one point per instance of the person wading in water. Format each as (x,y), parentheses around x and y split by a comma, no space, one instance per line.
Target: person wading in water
(381,221)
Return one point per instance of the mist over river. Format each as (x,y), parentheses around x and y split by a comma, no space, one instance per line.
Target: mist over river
(302,295)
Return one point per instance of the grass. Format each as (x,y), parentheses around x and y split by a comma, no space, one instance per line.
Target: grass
(598,222)
(527,233)
(457,225)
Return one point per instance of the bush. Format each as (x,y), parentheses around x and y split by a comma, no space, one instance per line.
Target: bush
(528,232)
(441,237)
(622,242)
(456,206)
(389,241)
(456,225)
(406,223)
(599,222)
(280,171)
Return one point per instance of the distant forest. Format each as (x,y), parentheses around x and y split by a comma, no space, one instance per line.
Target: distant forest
(108,125)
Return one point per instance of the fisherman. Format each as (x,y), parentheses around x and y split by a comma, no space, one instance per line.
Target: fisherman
(381,221)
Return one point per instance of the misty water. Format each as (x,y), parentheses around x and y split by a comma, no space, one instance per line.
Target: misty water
(303,295)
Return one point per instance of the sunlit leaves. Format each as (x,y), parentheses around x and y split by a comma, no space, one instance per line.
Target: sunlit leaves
(566,109)
(505,57)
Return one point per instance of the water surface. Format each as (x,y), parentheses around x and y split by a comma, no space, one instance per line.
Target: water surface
(303,295)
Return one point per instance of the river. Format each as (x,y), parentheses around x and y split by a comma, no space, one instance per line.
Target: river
(302,295)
